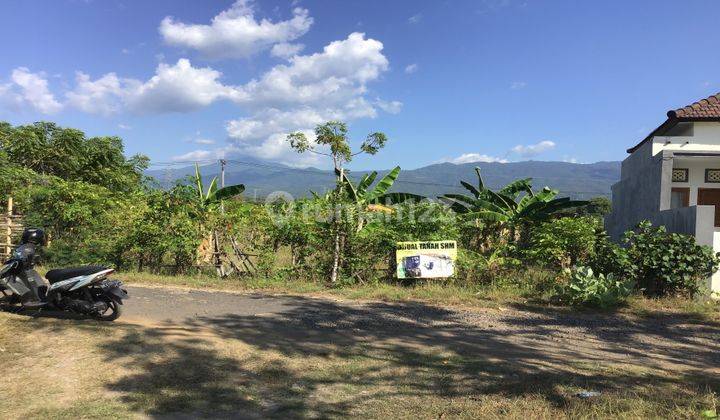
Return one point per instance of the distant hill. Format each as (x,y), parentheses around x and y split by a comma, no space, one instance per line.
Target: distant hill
(261,178)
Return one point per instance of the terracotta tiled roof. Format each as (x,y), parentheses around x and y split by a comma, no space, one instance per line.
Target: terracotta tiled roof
(704,108)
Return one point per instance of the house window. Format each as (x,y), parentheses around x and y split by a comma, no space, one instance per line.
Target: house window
(712,175)
(680,197)
(680,175)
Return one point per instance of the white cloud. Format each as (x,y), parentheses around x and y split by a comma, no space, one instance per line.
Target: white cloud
(332,76)
(29,90)
(204,141)
(416,18)
(411,68)
(475,157)
(286,50)
(235,33)
(518,85)
(391,107)
(275,147)
(195,155)
(179,88)
(328,85)
(271,121)
(124,126)
(533,149)
(102,96)
(568,159)
(297,95)
(174,88)
(309,90)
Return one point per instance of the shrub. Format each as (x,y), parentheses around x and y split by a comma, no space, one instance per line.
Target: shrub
(563,242)
(585,288)
(473,267)
(610,258)
(668,263)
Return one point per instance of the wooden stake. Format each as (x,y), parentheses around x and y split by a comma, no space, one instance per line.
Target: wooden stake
(8,230)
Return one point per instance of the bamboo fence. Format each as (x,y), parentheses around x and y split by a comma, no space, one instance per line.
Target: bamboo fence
(11,228)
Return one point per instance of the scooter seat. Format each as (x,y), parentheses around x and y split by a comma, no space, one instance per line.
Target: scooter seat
(54,276)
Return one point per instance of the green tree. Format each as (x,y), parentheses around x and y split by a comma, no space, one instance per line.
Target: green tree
(47,149)
(333,136)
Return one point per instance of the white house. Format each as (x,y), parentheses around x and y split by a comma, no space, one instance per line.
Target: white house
(672,178)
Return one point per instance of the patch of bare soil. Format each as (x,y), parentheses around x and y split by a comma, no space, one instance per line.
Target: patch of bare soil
(186,353)
(539,336)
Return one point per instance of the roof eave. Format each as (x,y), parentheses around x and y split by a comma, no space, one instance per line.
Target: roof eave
(669,122)
(672,120)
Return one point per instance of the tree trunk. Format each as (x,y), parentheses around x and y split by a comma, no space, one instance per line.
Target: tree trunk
(216,255)
(336,259)
(336,224)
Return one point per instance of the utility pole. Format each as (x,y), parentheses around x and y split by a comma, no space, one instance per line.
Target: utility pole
(223,162)
(216,239)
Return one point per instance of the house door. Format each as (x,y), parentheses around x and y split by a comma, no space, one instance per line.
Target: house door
(710,197)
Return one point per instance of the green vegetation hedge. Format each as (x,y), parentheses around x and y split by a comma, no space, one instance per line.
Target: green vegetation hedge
(665,263)
(99,208)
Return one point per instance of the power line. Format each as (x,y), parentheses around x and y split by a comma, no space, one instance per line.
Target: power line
(283,168)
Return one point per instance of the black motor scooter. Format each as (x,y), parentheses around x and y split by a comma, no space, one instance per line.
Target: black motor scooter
(83,290)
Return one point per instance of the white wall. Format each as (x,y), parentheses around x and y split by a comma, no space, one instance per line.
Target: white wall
(696,173)
(706,137)
(714,281)
(696,179)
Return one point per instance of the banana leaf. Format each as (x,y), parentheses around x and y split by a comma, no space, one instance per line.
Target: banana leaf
(227,192)
(385,183)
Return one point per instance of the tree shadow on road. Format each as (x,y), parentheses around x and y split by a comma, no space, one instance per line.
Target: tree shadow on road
(323,359)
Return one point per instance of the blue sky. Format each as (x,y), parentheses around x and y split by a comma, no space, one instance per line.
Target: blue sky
(445,80)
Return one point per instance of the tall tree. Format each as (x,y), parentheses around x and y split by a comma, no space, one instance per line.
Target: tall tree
(48,149)
(331,140)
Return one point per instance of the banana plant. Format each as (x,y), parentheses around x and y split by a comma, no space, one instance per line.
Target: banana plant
(214,195)
(208,200)
(377,198)
(506,206)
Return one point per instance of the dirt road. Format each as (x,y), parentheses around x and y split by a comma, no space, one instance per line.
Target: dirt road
(199,354)
(529,336)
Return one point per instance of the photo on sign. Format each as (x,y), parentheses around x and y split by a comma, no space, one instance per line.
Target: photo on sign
(434,259)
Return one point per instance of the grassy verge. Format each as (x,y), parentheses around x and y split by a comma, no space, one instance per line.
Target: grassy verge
(85,369)
(435,291)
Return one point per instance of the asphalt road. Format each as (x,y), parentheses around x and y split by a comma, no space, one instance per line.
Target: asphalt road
(150,304)
(674,342)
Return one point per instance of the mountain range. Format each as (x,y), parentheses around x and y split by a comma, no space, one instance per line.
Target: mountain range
(580,181)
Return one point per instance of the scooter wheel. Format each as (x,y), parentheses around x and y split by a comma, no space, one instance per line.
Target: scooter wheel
(112,313)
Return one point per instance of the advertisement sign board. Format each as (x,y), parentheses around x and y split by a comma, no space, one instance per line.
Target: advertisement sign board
(426,259)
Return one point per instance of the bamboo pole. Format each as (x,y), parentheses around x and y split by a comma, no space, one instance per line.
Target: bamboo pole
(8,231)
